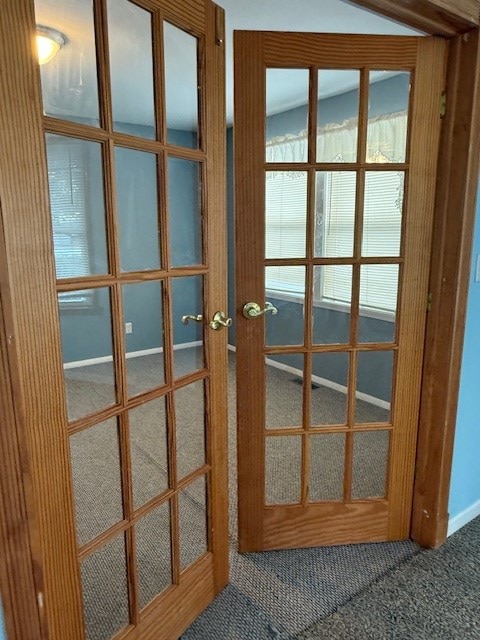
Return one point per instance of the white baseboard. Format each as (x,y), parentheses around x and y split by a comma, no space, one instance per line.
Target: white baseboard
(131,354)
(463,518)
(324,382)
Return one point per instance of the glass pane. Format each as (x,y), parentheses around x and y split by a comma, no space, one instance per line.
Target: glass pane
(105,593)
(382,216)
(96,479)
(285,289)
(75,180)
(187,294)
(69,80)
(143,317)
(137,203)
(192,505)
(378,302)
(370,463)
(388,100)
(329,388)
(284,391)
(154,553)
(190,428)
(181,97)
(287,115)
(86,330)
(335,213)
(337,115)
(149,451)
(332,297)
(374,386)
(285,214)
(131,68)
(283,469)
(185,212)
(327,462)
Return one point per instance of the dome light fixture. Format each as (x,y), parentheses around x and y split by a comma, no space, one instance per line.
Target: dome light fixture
(49,42)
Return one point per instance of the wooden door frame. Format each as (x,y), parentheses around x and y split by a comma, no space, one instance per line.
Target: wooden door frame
(456,198)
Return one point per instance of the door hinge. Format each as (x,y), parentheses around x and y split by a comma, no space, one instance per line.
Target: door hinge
(219,26)
(429,302)
(443,105)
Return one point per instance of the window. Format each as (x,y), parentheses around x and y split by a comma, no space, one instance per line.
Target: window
(286,205)
(67,184)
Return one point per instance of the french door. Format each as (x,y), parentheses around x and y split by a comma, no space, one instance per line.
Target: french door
(336,142)
(117,266)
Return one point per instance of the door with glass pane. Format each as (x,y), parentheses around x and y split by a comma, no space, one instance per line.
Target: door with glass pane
(336,140)
(133,123)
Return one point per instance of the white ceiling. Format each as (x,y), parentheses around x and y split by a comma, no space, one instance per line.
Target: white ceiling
(71,82)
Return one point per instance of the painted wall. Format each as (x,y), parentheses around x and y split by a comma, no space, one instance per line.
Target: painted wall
(3,635)
(386,96)
(464,503)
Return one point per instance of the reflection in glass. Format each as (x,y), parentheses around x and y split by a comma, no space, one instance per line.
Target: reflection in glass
(148,450)
(382,216)
(137,202)
(388,116)
(285,214)
(105,593)
(69,80)
(284,391)
(96,479)
(131,68)
(185,212)
(192,506)
(337,116)
(374,386)
(154,553)
(87,350)
(283,469)
(187,295)
(75,180)
(378,302)
(181,97)
(327,462)
(287,115)
(332,304)
(329,389)
(190,428)
(285,289)
(143,314)
(370,464)
(335,194)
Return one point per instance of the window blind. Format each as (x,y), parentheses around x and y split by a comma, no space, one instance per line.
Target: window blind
(66,177)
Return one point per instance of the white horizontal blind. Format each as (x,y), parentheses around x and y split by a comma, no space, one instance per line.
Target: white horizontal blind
(285,227)
(66,176)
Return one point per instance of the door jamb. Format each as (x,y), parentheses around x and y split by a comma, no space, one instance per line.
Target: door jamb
(458,178)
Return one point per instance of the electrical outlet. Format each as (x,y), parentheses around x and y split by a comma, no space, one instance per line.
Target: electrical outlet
(129,327)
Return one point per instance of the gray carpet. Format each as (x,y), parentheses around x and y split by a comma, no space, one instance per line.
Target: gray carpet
(432,596)
(271,595)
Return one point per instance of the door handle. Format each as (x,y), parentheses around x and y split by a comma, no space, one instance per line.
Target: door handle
(186,319)
(220,320)
(254,310)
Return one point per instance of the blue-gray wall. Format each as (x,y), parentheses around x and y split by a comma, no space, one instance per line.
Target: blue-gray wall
(465,481)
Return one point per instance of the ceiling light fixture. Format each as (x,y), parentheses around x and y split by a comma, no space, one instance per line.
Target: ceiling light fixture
(49,43)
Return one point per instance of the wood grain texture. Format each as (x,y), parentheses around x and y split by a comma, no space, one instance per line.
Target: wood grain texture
(249,87)
(325,524)
(450,271)
(38,389)
(436,17)
(20,579)
(429,82)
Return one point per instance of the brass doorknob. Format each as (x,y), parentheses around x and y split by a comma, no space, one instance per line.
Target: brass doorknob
(220,320)
(186,319)
(254,310)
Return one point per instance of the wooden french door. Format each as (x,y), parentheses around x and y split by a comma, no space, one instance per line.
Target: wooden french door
(114,214)
(336,143)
